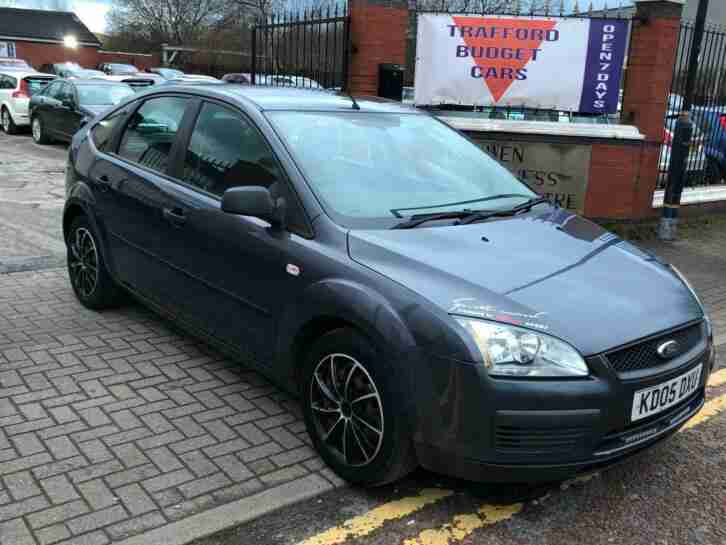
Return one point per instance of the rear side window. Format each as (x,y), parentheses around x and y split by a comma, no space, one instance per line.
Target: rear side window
(53,90)
(8,82)
(150,133)
(226,151)
(102,133)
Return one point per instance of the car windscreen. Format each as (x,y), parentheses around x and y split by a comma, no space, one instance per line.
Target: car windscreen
(370,168)
(103,94)
(36,84)
(170,73)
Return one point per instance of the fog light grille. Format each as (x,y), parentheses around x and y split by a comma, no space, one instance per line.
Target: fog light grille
(539,441)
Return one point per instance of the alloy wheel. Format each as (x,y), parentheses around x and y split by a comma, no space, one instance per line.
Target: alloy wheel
(83,262)
(6,121)
(37,130)
(347,409)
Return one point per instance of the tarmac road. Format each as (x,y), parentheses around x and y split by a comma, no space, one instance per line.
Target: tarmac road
(31,203)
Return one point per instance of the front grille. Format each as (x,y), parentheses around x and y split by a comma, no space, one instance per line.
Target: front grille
(644,355)
(536,441)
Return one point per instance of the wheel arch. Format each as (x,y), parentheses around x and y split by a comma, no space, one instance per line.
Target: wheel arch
(333,304)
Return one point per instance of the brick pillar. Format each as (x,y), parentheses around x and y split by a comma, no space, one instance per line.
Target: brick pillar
(650,71)
(378,35)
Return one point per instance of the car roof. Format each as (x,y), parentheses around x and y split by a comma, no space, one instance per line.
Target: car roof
(93,81)
(291,98)
(20,74)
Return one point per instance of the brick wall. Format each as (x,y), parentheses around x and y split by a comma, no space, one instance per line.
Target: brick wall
(612,190)
(645,101)
(378,35)
(38,54)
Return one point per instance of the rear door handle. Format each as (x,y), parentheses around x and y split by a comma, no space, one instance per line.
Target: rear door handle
(175,216)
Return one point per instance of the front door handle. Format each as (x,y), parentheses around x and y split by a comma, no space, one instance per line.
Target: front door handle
(175,216)
(104,182)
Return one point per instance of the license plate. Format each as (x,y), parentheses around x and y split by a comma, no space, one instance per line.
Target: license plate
(658,398)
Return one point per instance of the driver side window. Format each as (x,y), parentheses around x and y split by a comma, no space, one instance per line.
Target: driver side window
(226,151)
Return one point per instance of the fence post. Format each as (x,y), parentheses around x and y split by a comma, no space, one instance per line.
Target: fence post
(377,35)
(651,59)
(253,67)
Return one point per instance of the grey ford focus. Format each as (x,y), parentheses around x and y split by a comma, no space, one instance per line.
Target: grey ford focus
(424,305)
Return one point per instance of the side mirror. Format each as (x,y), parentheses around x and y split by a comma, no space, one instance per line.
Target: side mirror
(254,201)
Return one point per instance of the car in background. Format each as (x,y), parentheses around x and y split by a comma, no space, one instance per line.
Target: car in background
(118,69)
(696,164)
(69,70)
(711,121)
(129,74)
(16,89)
(11,63)
(238,78)
(166,73)
(190,80)
(287,80)
(61,108)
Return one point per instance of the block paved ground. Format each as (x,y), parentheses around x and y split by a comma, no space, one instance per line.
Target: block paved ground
(112,424)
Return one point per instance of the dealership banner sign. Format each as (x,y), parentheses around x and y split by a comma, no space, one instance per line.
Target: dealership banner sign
(537,62)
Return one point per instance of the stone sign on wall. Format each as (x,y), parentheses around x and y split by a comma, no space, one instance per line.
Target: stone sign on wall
(559,172)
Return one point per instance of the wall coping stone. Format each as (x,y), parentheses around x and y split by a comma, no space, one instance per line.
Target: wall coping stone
(582,130)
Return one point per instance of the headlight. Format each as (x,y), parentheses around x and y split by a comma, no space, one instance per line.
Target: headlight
(516,352)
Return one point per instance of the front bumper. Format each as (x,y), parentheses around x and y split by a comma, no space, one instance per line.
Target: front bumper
(541,431)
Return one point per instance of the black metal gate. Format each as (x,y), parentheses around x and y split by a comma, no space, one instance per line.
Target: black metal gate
(309,49)
(705,165)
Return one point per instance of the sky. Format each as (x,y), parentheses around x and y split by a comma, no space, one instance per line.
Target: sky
(93,12)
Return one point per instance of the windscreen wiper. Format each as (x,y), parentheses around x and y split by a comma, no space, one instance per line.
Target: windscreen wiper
(481,216)
(468,216)
(418,219)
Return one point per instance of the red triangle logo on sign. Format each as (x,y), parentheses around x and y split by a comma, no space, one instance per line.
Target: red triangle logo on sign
(488,49)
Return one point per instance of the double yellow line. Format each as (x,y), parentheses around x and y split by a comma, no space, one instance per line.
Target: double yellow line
(463,525)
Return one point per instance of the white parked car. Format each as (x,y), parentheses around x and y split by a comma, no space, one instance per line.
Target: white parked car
(16,88)
(285,80)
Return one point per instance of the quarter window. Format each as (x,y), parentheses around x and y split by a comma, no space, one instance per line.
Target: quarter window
(226,151)
(150,134)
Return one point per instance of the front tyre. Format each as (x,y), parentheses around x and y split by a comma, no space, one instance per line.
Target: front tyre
(352,412)
(92,284)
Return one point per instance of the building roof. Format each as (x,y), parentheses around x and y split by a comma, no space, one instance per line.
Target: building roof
(43,26)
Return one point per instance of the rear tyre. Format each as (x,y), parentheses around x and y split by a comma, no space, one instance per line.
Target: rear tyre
(352,411)
(7,122)
(92,284)
(38,130)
